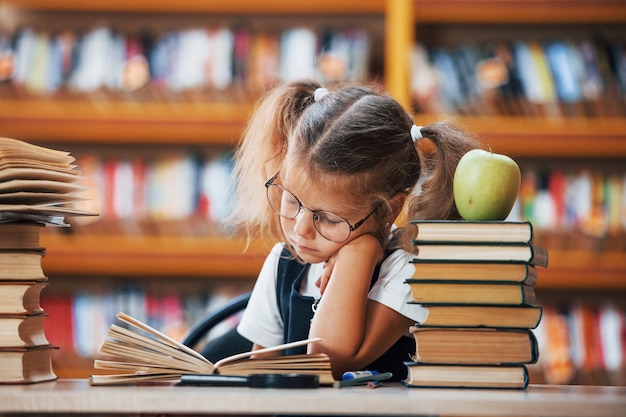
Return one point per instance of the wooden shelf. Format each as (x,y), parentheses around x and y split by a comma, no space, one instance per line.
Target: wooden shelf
(519,11)
(150,257)
(545,137)
(123,122)
(436,11)
(141,256)
(222,124)
(185,6)
(583,271)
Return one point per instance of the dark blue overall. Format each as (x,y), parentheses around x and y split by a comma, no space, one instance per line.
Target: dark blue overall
(296,312)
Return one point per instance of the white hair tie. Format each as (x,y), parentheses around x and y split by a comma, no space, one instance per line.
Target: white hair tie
(416,133)
(320,93)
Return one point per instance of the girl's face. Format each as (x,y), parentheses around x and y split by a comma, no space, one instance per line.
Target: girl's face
(301,231)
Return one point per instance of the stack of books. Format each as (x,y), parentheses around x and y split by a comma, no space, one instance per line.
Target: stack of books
(25,353)
(37,187)
(476,282)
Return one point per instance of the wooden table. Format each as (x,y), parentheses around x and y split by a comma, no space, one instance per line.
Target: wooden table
(77,397)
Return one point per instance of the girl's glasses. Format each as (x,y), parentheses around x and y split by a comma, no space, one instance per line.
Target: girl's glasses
(329,225)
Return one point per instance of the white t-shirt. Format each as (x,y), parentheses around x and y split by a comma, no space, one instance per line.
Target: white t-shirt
(261,321)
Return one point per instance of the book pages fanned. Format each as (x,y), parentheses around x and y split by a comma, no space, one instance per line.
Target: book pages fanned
(38,184)
(139,352)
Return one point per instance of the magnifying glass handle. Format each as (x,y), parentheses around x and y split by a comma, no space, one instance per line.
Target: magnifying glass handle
(214,380)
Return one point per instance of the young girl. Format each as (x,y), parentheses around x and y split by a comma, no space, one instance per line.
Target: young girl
(327,173)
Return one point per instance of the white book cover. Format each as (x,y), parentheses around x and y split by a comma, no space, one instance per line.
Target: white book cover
(298,53)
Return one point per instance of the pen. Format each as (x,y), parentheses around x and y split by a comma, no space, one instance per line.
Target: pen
(362,379)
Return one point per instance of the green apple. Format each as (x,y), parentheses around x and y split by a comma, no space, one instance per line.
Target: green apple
(486,185)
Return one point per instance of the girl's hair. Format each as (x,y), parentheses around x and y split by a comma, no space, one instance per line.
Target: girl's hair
(357,137)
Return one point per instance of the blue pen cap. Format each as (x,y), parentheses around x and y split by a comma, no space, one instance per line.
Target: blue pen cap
(357,375)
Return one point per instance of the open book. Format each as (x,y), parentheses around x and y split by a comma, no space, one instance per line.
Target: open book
(38,184)
(141,353)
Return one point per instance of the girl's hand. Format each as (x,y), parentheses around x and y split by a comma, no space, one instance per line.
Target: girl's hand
(322,281)
(365,243)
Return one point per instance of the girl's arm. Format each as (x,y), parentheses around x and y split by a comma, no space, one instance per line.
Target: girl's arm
(256,346)
(355,331)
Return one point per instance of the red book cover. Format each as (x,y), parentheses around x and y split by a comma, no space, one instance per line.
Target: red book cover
(58,325)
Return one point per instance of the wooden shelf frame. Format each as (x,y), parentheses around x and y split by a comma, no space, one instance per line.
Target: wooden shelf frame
(119,122)
(152,256)
(216,257)
(519,11)
(579,270)
(431,11)
(203,6)
(547,137)
(116,123)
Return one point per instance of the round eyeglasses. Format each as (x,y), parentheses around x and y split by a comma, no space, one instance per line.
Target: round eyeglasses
(329,225)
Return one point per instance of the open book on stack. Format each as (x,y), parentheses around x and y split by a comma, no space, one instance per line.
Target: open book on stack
(138,352)
(476,281)
(37,183)
(37,187)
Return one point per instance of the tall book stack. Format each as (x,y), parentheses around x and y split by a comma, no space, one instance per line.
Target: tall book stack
(37,188)
(475,281)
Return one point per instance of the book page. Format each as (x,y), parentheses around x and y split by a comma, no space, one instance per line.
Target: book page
(267,350)
(136,323)
(44,210)
(24,173)
(16,149)
(29,165)
(161,336)
(48,186)
(28,197)
(127,338)
(150,344)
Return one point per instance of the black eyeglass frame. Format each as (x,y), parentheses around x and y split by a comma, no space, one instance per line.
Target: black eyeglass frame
(352,228)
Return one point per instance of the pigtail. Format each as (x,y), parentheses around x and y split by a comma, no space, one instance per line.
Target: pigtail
(439,146)
(261,153)
(435,198)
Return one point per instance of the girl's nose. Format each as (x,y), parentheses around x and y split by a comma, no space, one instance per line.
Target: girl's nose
(304,224)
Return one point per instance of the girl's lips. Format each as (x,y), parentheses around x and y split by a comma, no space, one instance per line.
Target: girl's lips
(303,250)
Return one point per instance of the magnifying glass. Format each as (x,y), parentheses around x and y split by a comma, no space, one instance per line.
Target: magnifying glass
(252,381)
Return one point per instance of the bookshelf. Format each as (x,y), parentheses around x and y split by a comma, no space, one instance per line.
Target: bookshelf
(579,282)
(118,121)
(542,139)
